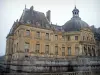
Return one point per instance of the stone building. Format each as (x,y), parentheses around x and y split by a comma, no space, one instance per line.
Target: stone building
(34,37)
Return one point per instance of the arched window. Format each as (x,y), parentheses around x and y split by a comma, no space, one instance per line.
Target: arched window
(75,13)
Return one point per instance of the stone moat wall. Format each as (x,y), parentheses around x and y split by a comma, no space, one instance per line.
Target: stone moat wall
(45,65)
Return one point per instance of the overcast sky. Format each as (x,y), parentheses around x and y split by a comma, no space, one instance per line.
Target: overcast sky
(61,12)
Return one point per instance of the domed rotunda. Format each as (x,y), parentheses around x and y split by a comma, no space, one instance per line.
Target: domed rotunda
(75,24)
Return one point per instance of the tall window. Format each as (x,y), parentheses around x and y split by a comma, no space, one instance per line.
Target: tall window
(37,48)
(47,49)
(69,50)
(14,48)
(77,50)
(47,36)
(18,33)
(69,38)
(56,37)
(76,37)
(87,38)
(38,35)
(56,50)
(26,47)
(27,32)
(63,51)
(17,47)
(83,37)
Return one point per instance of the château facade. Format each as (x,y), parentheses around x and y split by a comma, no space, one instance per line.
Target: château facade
(33,35)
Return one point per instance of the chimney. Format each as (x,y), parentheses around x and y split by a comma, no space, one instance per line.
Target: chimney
(48,15)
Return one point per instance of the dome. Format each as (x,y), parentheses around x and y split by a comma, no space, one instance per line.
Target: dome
(75,24)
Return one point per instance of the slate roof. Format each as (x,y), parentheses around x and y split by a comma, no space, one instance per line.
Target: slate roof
(96,32)
(32,16)
(57,27)
(75,24)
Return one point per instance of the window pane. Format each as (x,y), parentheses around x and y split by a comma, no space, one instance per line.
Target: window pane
(68,38)
(26,47)
(27,32)
(87,38)
(69,50)
(63,51)
(56,50)
(83,37)
(47,49)
(56,37)
(37,48)
(38,34)
(47,35)
(76,37)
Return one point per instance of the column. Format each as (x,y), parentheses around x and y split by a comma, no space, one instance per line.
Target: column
(89,50)
(85,50)
(95,51)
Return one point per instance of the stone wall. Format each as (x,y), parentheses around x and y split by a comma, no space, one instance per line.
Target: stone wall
(40,64)
(62,73)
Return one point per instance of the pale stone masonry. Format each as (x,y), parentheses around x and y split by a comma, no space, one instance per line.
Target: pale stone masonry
(36,39)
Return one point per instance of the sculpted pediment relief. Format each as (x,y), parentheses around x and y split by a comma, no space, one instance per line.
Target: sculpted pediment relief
(86,29)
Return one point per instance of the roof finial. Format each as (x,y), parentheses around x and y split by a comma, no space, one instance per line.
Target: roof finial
(75,6)
(75,3)
(25,6)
